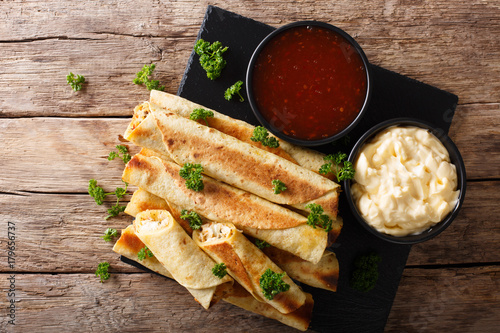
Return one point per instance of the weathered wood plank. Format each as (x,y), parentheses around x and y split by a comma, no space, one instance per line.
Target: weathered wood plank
(428,300)
(61,232)
(124,303)
(450,46)
(436,300)
(472,237)
(64,153)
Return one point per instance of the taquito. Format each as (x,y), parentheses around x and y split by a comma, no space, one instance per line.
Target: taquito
(324,274)
(302,189)
(128,245)
(175,250)
(239,129)
(247,264)
(219,202)
(298,319)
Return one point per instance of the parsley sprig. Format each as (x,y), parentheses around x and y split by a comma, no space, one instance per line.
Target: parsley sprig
(192,174)
(211,58)
(278,186)
(234,90)
(200,113)
(365,275)
(272,283)
(102,271)
(121,150)
(219,270)
(337,165)
(98,194)
(109,234)
(193,218)
(261,244)
(317,218)
(261,135)
(143,77)
(77,82)
(144,253)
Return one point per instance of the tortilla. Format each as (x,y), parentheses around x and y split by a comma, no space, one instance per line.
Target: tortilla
(298,319)
(241,130)
(175,250)
(142,200)
(129,245)
(246,264)
(240,164)
(324,274)
(219,202)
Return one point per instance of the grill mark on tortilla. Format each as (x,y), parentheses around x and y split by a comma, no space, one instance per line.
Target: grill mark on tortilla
(203,149)
(246,210)
(244,134)
(131,240)
(225,252)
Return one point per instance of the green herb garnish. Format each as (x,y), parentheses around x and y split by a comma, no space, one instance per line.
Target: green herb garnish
(144,252)
(192,174)
(261,135)
(211,59)
(121,150)
(75,82)
(201,114)
(337,165)
(102,271)
(142,77)
(193,218)
(317,218)
(234,90)
(272,283)
(109,234)
(98,194)
(261,244)
(365,275)
(220,270)
(279,186)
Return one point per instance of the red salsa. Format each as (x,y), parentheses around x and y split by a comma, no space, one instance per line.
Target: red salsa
(309,82)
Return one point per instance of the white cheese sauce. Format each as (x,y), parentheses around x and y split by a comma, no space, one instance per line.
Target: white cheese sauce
(404,181)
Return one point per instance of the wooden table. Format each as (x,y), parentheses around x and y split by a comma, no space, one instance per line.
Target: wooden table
(53,140)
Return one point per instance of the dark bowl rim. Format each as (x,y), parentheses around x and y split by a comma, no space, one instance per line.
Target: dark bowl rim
(455,157)
(279,134)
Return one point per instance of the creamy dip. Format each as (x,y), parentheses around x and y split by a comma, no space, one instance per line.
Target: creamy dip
(404,181)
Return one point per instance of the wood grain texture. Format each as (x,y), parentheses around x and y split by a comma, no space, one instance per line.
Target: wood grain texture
(468,298)
(124,303)
(64,153)
(53,140)
(62,232)
(452,47)
(438,300)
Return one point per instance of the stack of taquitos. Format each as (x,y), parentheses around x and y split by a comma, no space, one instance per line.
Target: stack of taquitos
(238,175)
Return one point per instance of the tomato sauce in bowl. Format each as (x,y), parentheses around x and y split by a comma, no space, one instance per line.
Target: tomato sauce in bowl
(308,82)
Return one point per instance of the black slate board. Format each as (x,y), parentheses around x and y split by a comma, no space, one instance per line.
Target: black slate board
(393,96)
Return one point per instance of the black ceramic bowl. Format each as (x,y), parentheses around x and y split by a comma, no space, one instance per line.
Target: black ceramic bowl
(347,51)
(455,158)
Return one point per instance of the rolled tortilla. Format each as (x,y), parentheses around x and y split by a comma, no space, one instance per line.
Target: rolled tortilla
(143,131)
(298,319)
(219,202)
(324,274)
(244,166)
(175,250)
(128,245)
(142,200)
(246,263)
(241,130)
